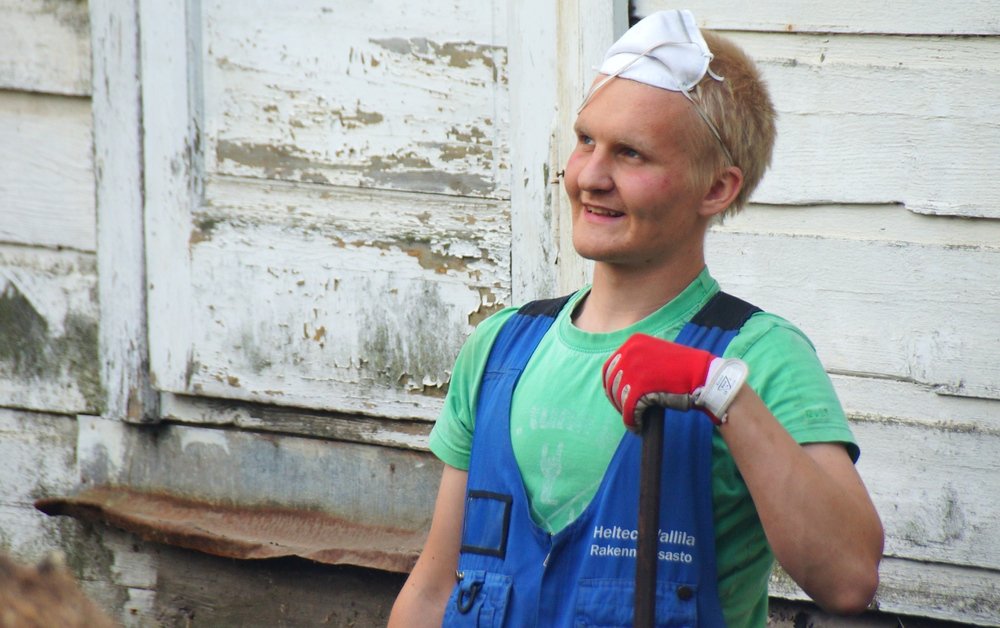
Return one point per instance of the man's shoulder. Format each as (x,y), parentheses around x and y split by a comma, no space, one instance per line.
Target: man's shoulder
(766,329)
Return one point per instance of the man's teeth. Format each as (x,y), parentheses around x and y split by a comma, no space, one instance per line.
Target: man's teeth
(600,211)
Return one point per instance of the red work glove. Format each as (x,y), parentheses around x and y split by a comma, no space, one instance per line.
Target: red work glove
(647,371)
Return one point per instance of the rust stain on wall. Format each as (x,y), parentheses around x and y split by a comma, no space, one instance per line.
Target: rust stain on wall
(243,532)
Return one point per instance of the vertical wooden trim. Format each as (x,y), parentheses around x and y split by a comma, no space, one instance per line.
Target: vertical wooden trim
(553,46)
(172,187)
(532,68)
(587,28)
(121,264)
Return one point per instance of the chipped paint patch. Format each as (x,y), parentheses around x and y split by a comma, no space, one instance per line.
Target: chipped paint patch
(383,173)
(459,55)
(203,228)
(403,170)
(432,256)
(24,334)
(428,388)
(358,118)
(489,304)
(275,160)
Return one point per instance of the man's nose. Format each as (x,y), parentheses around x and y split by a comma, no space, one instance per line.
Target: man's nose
(595,176)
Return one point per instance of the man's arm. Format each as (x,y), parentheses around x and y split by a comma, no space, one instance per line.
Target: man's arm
(816,512)
(422,600)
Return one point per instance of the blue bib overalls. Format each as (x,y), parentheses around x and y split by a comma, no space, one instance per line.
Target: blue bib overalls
(513,573)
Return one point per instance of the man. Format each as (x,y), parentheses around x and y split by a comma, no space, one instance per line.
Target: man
(535,516)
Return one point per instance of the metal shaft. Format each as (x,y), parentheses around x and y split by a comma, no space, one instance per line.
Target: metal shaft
(649,518)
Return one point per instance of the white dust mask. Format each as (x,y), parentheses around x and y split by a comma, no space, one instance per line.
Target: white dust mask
(665,50)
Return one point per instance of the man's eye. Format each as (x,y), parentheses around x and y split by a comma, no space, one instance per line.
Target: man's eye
(631,153)
(586,139)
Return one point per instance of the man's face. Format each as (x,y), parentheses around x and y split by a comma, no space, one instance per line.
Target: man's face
(628,179)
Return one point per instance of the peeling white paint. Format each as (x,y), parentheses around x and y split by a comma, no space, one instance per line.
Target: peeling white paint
(205,438)
(102,445)
(46,47)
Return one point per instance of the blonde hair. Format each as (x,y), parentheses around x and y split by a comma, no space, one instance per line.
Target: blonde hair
(740,107)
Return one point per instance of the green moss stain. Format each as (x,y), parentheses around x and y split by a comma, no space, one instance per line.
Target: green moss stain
(24,335)
(78,350)
(410,348)
(203,228)
(30,352)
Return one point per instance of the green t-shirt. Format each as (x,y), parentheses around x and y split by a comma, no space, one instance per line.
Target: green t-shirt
(564,431)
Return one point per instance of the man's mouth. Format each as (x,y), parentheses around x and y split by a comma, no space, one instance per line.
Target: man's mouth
(602,211)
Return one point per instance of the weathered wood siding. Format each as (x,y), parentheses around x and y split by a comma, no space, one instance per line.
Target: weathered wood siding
(46,47)
(878,232)
(48,275)
(349,217)
(48,307)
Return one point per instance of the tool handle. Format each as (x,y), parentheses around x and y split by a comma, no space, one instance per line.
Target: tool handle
(647,543)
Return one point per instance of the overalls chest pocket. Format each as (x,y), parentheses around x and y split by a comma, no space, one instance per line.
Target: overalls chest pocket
(479,599)
(608,603)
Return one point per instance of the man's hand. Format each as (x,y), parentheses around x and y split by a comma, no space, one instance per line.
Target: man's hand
(647,371)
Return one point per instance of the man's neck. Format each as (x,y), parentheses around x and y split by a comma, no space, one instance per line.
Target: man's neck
(621,297)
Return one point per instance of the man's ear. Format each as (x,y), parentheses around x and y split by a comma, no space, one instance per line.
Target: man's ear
(722,192)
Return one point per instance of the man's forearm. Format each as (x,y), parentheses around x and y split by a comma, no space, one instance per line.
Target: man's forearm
(816,512)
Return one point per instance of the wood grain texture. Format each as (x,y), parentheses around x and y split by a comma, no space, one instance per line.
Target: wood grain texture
(46,47)
(972,17)
(375,95)
(121,258)
(171,171)
(892,309)
(46,171)
(866,119)
(363,484)
(359,301)
(356,196)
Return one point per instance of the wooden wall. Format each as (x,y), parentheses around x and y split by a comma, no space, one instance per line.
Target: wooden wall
(48,310)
